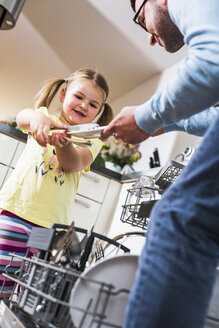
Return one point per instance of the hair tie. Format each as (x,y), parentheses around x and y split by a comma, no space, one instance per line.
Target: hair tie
(66,81)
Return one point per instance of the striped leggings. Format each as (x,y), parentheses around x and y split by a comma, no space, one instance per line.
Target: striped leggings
(14,233)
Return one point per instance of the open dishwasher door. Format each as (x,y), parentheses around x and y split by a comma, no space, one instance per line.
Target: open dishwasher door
(8,318)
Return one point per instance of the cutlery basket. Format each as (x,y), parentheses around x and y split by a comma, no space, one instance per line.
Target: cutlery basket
(145,193)
(136,210)
(44,291)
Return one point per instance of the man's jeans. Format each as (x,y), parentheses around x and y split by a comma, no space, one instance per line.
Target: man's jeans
(176,270)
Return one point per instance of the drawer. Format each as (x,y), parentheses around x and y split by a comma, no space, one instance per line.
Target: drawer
(108,208)
(18,152)
(3,172)
(93,186)
(85,212)
(10,170)
(8,146)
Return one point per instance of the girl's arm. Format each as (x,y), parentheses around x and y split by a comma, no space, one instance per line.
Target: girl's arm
(71,159)
(74,159)
(38,123)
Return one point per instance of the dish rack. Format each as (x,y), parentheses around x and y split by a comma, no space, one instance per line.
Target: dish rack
(146,192)
(168,175)
(44,283)
(45,291)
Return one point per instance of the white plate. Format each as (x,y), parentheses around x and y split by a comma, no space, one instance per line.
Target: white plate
(118,271)
(94,131)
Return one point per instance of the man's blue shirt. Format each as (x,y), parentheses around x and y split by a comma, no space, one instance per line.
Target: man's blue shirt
(195,86)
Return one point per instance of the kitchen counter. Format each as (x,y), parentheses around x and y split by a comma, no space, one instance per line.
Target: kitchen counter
(12,132)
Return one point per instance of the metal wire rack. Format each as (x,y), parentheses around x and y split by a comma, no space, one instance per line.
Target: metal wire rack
(42,291)
(145,193)
(136,211)
(168,175)
(43,286)
(45,290)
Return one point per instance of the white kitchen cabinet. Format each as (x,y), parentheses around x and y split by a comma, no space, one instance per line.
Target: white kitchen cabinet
(8,147)
(10,151)
(117,225)
(85,212)
(108,207)
(135,243)
(95,202)
(93,186)
(9,172)
(20,147)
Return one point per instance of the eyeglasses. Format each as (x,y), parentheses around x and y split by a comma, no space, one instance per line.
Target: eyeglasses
(135,19)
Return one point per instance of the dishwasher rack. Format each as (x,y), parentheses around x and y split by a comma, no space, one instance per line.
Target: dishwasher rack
(43,288)
(136,211)
(146,192)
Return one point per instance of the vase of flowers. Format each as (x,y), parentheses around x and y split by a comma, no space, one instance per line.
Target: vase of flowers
(119,154)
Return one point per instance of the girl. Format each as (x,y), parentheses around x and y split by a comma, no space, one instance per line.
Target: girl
(42,187)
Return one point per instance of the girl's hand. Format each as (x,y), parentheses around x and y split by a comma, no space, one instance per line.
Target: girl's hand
(58,140)
(40,126)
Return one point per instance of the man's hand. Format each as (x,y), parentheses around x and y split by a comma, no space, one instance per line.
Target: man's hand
(124,127)
(158,132)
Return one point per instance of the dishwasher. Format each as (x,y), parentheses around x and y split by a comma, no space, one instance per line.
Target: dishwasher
(140,199)
(82,279)
(70,283)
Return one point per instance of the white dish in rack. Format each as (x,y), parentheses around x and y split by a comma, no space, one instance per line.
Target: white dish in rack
(118,271)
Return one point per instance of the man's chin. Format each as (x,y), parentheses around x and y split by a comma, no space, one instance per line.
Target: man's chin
(173,48)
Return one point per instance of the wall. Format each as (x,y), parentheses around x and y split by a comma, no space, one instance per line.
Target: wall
(169,144)
(22,72)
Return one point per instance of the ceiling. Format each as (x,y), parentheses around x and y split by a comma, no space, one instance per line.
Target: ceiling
(53,38)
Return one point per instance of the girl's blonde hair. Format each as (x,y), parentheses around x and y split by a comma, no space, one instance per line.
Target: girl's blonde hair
(50,89)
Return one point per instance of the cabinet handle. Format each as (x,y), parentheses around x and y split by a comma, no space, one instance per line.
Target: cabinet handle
(81,202)
(91,177)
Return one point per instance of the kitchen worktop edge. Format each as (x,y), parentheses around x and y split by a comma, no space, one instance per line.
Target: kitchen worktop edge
(13,132)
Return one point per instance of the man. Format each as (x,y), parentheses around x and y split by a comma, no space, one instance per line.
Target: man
(195,86)
(176,271)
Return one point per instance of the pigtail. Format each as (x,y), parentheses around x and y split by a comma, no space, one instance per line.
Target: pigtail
(45,96)
(107,115)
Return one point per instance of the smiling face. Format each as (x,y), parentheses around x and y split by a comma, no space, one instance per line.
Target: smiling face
(160,27)
(82,101)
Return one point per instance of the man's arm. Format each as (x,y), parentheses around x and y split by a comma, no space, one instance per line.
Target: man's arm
(195,85)
(196,124)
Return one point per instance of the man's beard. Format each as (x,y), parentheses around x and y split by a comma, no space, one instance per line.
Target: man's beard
(169,34)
